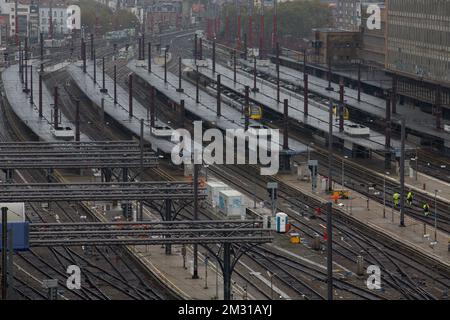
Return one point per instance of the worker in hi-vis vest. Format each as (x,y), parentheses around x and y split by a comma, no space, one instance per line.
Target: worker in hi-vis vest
(396,198)
(426,209)
(409,198)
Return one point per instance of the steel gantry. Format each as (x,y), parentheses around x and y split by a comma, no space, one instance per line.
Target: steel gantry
(148,232)
(227,241)
(104,155)
(105,191)
(75,155)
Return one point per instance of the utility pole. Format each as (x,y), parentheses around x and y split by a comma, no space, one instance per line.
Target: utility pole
(247,107)
(92,46)
(83,54)
(180,89)
(130,95)
(4,245)
(41,42)
(387,133)
(275,29)
(255,89)
(329,251)
(330,88)
(103,89)
(214,56)
(195,48)
(245,46)
(55,108)
(77,120)
(149,67)
(330,145)
(218,103)
(341,105)
(195,176)
(95,69)
(31,83)
(152,107)
(435,215)
(165,65)
(305,86)
(115,83)
(40,95)
(26,65)
(402,174)
(197,93)
(359,81)
(278,71)
(234,66)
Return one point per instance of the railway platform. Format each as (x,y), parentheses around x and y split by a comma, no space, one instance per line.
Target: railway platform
(230,118)
(28,112)
(422,182)
(318,113)
(420,125)
(427,184)
(370,213)
(119,112)
(170,270)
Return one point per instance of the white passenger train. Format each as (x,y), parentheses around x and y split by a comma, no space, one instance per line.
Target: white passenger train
(63,133)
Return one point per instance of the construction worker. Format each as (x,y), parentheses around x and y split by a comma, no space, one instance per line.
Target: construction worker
(426,209)
(409,198)
(396,198)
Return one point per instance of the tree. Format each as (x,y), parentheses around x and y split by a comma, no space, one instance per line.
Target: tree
(107,19)
(296,19)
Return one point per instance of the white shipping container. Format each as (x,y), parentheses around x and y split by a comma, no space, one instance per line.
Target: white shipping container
(281,221)
(16,211)
(230,203)
(213,188)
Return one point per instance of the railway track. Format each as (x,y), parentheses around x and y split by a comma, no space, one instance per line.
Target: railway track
(414,293)
(360,179)
(103,278)
(393,263)
(429,162)
(123,71)
(352,259)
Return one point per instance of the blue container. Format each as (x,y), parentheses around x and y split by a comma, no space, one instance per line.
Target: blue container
(20,231)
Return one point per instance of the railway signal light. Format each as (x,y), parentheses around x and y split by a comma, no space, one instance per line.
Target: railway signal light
(273,193)
(313,169)
(312,166)
(272,188)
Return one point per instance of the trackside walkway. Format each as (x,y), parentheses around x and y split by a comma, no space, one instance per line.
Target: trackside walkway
(371,214)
